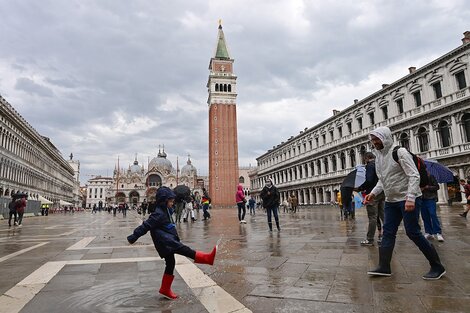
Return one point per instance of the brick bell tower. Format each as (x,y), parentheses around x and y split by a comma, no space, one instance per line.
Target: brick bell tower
(223,142)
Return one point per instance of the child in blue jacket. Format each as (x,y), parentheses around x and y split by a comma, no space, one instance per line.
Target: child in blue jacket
(166,241)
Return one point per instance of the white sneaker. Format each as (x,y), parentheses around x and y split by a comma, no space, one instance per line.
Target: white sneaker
(428,236)
(439,238)
(243,221)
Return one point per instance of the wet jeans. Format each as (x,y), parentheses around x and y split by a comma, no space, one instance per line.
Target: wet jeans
(274,210)
(241,210)
(394,214)
(429,216)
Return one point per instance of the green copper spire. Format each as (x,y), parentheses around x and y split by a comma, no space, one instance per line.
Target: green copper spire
(222,51)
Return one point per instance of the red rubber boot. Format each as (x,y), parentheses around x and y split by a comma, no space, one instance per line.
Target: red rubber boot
(205,258)
(165,289)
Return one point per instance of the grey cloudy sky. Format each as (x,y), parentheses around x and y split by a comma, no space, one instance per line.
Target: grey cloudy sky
(114,78)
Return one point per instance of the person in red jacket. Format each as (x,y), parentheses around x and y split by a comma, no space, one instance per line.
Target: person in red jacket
(20,207)
(165,238)
(240,199)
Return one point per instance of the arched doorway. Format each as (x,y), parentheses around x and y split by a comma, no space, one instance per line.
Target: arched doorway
(134,197)
(120,197)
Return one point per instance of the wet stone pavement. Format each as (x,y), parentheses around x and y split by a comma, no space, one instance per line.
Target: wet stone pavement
(82,263)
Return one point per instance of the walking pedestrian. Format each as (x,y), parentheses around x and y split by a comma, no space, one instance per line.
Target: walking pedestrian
(466,188)
(241,200)
(179,207)
(400,182)
(294,202)
(432,226)
(251,205)
(189,209)
(144,207)
(375,208)
(271,198)
(12,212)
(206,200)
(166,240)
(20,207)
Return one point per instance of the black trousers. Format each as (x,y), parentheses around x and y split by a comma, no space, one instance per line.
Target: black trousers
(170,259)
(11,215)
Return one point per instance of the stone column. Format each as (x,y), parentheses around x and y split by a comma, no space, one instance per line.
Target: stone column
(442,194)
(324,194)
(317,195)
(297,168)
(456,135)
(433,144)
(309,169)
(462,176)
(305,196)
(310,195)
(413,142)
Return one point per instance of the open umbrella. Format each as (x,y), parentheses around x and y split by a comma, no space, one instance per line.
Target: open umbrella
(182,192)
(355,178)
(19,195)
(442,173)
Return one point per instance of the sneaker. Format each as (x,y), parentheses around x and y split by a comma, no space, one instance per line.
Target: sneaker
(243,221)
(379,240)
(439,238)
(428,236)
(367,243)
(16,223)
(463,214)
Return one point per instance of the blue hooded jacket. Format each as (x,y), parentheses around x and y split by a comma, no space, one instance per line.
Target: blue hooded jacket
(161,226)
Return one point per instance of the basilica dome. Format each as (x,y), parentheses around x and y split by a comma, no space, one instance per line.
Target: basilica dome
(135,168)
(188,169)
(160,163)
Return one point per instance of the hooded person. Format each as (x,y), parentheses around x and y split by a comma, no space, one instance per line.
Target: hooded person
(166,240)
(271,199)
(400,183)
(240,199)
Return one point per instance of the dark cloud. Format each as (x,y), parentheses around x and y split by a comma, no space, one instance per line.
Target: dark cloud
(33,88)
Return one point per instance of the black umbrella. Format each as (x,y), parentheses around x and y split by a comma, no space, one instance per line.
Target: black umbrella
(355,178)
(182,192)
(19,195)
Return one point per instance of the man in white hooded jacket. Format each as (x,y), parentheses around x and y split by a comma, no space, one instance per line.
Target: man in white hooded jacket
(400,183)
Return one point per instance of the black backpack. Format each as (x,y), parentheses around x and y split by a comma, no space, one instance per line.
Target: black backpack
(420,165)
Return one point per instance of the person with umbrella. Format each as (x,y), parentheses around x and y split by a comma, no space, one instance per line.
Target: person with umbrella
(432,226)
(166,240)
(20,206)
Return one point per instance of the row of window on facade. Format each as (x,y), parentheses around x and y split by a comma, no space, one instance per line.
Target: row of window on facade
(10,143)
(322,166)
(461,84)
(223,87)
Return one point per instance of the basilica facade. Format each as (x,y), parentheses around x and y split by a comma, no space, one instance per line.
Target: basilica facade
(136,184)
(427,110)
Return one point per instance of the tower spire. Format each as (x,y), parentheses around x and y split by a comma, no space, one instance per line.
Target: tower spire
(221,50)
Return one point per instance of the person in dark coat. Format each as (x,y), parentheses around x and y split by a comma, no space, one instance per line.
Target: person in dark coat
(375,208)
(166,240)
(271,200)
(12,212)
